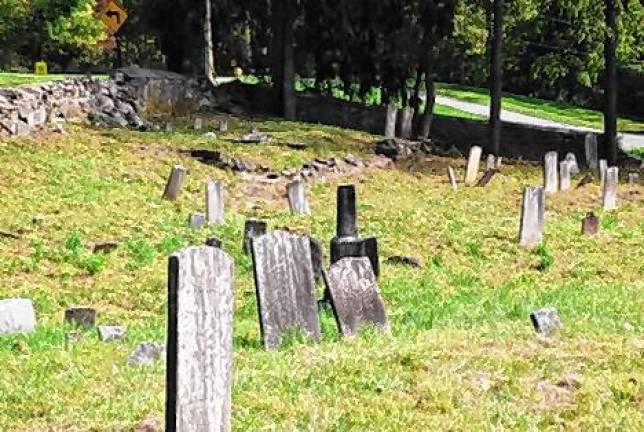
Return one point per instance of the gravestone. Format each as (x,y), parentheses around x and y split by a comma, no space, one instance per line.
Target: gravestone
(545,321)
(550,177)
(346,213)
(633,178)
(390,121)
(285,286)
(17,316)
(591,151)
(473,161)
(564,175)
(452,177)
(490,163)
(603,166)
(532,217)
(200,340)
(214,242)
(175,182)
(499,163)
(297,201)
(223,126)
(253,228)
(145,354)
(317,257)
(572,160)
(610,188)
(215,202)
(198,124)
(197,220)
(81,316)
(168,128)
(111,333)
(486,178)
(405,122)
(590,224)
(355,296)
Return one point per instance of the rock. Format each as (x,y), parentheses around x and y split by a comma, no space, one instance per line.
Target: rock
(111,333)
(545,321)
(403,260)
(255,138)
(296,146)
(590,224)
(146,353)
(210,135)
(352,160)
(17,316)
(105,247)
(73,337)
(81,316)
(453,152)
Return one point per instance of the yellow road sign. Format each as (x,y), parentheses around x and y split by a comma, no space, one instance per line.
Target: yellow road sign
(113,17)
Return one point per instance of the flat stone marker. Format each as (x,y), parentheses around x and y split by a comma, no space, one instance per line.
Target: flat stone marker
(473,161)
(17,316)
(550,176)
(572,160)
(390,121)
(590,145)
(253,228)
(81,316)
(285,286)
(603,166)
(198,124)
(111,333)
(200,340)
(197,220)
(297,201)
(545,321)
(532,216)
(590,224)
(175,183)
(451,174)
(145,354)
(405,124)
(610,188)
(355,296)
(490,163)
(214,202)
(564,175)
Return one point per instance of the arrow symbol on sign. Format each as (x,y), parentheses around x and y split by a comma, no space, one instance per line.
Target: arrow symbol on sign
(112,14)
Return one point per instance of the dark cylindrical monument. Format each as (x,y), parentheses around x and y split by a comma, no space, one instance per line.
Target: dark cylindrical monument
(347,225)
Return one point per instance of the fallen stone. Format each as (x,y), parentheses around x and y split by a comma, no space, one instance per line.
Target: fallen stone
(9,234)
(586,180)
(403,260)
(255,138)
(146,353)
(111,333)
(105,247)
(545,321)
(81,316)
(17,316)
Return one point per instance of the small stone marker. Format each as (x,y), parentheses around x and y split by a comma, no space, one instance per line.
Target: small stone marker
(610,188)
(297,201)
(550,177)
(198,124)
(487,178)
(499,163)
(111,333)
(591,151)
(545,321)
(603,166)
(17,316)
(572,160)
(490,164)
(145,354)
(633,178)
(473,161)
(223,126)
(451,174)
(214,242)
(175,182)
(200,340)
(285,286)
(590,224)
(532,217)
(346,213)
(564,175)
(81,316)
(214,202)
(355,296)
(390,121)
(197,220)
(405,122)
(253,228)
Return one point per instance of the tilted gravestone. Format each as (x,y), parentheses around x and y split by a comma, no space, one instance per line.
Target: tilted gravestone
(285,286)
(572,160)
(17,316)
(215,202)
(297,201)
(603,166)
(591,151)
(532,217)
(405,122)
(550,177)
(473,161)
(253,228)
(564,175)
(354,295)
(200,340)
(590,224)
(610,188)
(451,174)
(390,121)
(486,178)
(175,182)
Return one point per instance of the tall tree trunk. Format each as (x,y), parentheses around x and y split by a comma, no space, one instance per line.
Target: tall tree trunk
(496,76)
(610,83)
(284,57)
(209,54)
(430,101)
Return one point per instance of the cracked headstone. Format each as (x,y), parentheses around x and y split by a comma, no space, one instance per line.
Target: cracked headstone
(473,161)
(532,217)
(215,202)
(590,145)
(81,316)
(111,333)
(451,174)
(545,321)
(175,183)
(610,188)
(564,175)
(297,201)
(197,220)
(390,121)
(17,316)
(590,224)
(572,160)
(550,176)
(253,228)
(145,354)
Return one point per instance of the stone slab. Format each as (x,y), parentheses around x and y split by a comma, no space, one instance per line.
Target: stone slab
(17,316)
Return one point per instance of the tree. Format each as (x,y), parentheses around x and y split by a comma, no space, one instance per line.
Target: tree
(496,75)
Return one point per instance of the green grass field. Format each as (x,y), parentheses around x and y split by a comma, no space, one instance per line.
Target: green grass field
(10,79)
(462,354)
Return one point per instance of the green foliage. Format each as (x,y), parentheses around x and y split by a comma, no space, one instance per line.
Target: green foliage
(546,259)
(140,251)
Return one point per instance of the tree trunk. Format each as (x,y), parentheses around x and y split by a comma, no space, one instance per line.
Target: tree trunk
(284,57)
(430,100)
(209,58)
(610,83)
(496,77)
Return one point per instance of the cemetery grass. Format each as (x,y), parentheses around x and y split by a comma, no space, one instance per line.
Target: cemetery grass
(461,354)
(12,79)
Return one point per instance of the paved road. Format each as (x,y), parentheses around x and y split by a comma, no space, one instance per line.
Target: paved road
(628,141)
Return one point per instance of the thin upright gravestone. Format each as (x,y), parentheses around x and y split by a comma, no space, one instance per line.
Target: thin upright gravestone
(572,160)
(532,216)
(603,166)
(610,188)
(297,201)
(550,177)
(175,182)
(564,175)
(200,340)
(354,295)
(214,202)
(390,121)
(405,122)
(198,124)
(490,163)
(285,286)
(473,161)
(452,177)
(253,228)
(591,151)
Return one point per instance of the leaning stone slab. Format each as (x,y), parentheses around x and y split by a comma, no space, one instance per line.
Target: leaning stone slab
(285,286)
(390,121)
(545,321)
(564,175)
(591,151)
(550,177)
(473,161)
(81,316)
(572,160)
(253,228)
(532,217)
(297,201)
(355,296)
(17,316)
(486,178)
(405,122)
(451,174)
(353,247)
(215,202)
(610,188)
(111,333)
(175,182)
(200,340)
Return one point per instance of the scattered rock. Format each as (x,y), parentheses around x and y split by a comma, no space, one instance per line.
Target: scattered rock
(296,146)
(352,160)
(545,321)
(81,316)
(105,247)
(9,234)
(146,353)
(17,316)
(255,138)
(73,337)
(111,333)
(403,260)
(570,382)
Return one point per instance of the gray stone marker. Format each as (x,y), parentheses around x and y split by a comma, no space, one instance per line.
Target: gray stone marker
(564,175)
(572,160)
(499,163)
(145,354)
(81,316)
(610,188)
(550,176)
(451,174)
(175,183)
(532,217)
(297,201)
(17,316)
(111,333)
(603,166)
(405,122)
(490,163)
(215,202)
(197,220)
(285,286)
(168,128)
(473,161)
(545,321)
(198,124)
(253,228)
(355,296)
(590,224)
(633,178)
(591,151)
(223,126)
(390,121)
(200,340)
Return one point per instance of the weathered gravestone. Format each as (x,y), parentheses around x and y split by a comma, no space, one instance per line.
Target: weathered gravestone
(215,202)
(592,157)
(17,316)
(451,174)
(590,224)
(81,316)
(610,188)
(200,340)
(285,286)
(490,163)
(198,124)
(473,161)
(197,220)
(545,321)
(572,160)
(603,166)
(390,121)
(168,128)
(111,333)
(175,182)
(223,126)
(532,217)
(297,201)
(564,175)
(486,178)
(354,295)
(405,122)
(253,228)
(550,177)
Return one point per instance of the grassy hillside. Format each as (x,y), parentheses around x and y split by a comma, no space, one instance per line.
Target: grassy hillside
(462,354)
